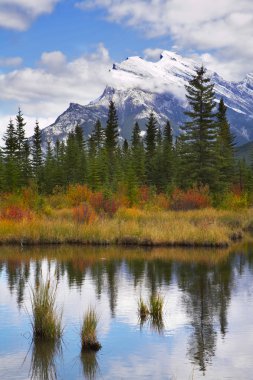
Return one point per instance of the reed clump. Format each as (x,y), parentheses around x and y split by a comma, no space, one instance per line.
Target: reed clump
(46,318)
(89,339)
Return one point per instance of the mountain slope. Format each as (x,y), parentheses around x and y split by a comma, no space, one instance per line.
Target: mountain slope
(138,86)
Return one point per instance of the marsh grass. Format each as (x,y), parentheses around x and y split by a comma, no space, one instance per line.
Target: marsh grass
(89,340)
(46,318)
(203,228)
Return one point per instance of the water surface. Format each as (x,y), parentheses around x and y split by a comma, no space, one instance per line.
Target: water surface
(207,325)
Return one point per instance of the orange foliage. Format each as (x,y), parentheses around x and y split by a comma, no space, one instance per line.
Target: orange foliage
(96,201)
(111,206)
(15,213)
(162,201)
(84,213)
(195,198)
(77,194)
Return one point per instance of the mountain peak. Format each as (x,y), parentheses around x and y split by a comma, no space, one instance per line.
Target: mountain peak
(138,86)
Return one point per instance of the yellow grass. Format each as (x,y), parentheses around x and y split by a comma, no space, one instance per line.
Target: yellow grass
(200,227)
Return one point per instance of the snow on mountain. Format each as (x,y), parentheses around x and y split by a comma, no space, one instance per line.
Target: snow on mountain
(138,86)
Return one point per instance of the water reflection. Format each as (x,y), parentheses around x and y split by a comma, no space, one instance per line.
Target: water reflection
(43,365)
(90,365)
(204,282)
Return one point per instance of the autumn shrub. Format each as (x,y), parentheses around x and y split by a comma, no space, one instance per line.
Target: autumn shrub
(15,213)
(194,198)
(96,201)
(32,199)
(234,201)
(144,194)
(77,194)
(110,207)
(84,213)
(161,201)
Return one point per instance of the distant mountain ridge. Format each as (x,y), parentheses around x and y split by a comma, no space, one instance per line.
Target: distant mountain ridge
(138,87)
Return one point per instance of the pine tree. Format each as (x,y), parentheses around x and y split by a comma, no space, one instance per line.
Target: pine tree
(112,130)
(199,134)
(111,143)
(11,176)
(138,155)
(37,157)
(150,148)
(49,170)
(20,132)
(226,147)
(81,162)
(168,158)
(26,164)
(98,136)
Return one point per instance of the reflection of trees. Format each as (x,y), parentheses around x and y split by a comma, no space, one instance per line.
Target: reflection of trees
(206,294)
(43,365)
(112,271)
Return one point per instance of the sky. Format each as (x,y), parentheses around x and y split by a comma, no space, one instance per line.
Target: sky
(54,52)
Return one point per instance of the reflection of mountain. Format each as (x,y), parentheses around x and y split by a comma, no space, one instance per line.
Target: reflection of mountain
(204,280)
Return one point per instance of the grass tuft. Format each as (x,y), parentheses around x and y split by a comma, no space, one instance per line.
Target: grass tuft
(46,320)
(89,331)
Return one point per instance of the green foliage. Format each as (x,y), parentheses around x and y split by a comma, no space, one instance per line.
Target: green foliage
(197,153)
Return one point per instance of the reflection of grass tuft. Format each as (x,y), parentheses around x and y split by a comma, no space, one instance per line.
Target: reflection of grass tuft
(43,360)
(156,303)
(90,364)
(143,311)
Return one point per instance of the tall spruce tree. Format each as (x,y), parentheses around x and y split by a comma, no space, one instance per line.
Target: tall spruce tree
(198,163)
(168,158)
(37,156)
(226,148)
(111,143)
(112,129)
(98,136)
(12,173)
(138,155)
(150,148)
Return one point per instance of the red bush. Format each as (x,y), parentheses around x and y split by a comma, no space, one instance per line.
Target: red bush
(84,213)
(97,201)
(110,206)
(195,198)
(15,213)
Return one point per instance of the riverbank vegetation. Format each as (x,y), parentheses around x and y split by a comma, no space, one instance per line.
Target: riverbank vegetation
(151,190)
(85,217)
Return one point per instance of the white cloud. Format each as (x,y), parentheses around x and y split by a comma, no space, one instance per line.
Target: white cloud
(225,28)
(10,61)
(19,14)
(48,89)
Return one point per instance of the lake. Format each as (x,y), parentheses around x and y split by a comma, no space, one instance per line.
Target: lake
(207,328)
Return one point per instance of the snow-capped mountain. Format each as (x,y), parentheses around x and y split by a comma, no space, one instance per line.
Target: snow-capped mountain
(138,86)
